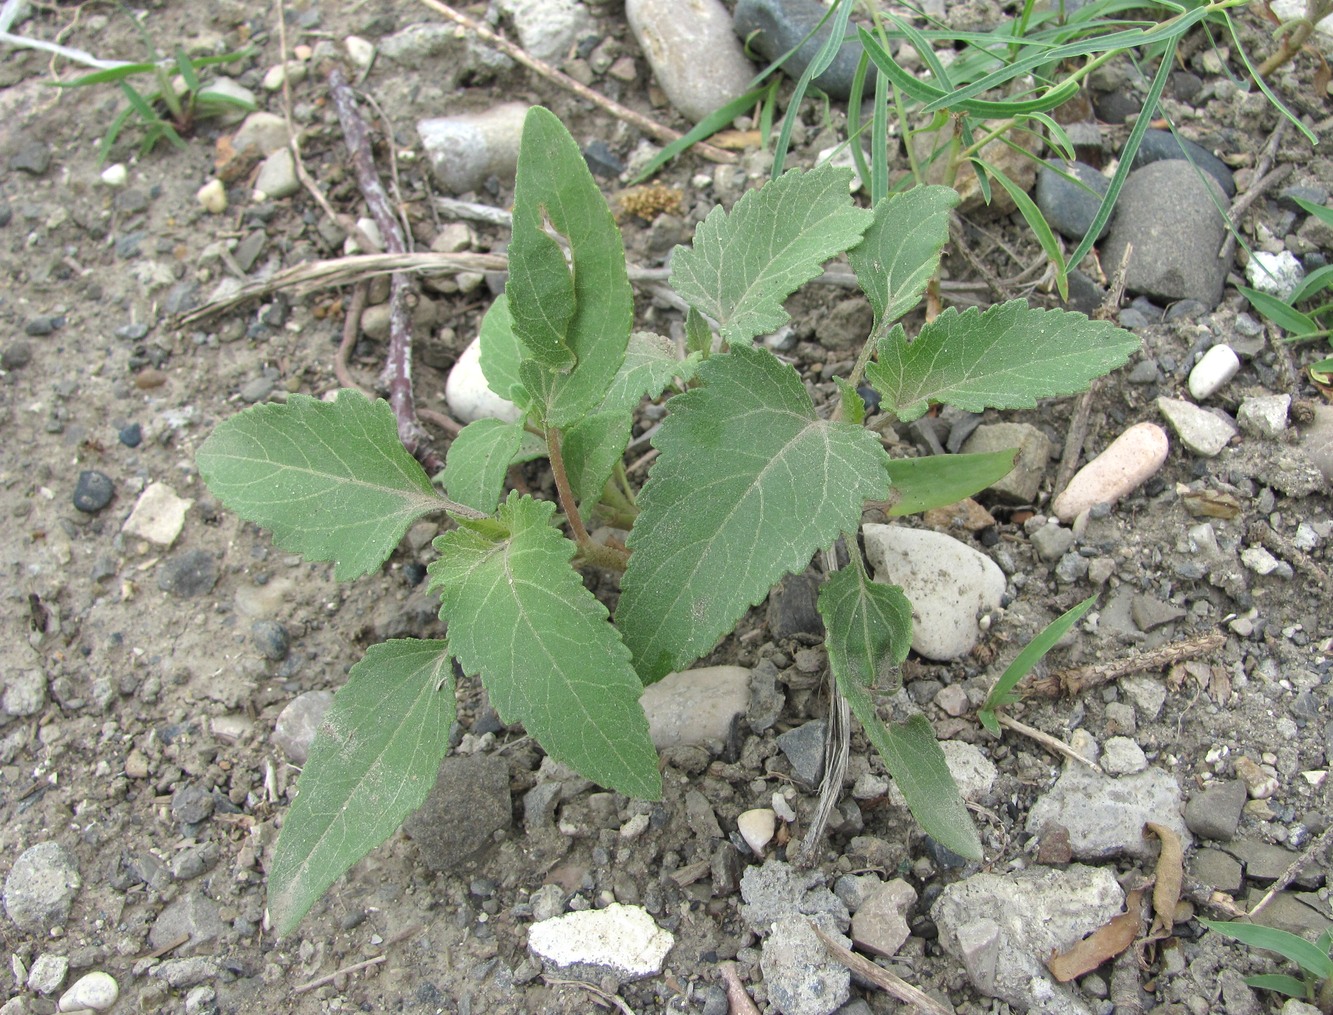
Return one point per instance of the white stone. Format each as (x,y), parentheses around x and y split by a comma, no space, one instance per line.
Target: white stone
(1203,432)
(949,584)
(1264,415)
(48,973)
(1276,274)
(757,828)
(264,132)
(158,516)
(1261,562)
(115,175)
(548,29)
(1127,463)
(277,176)
(468,394)
(212,197)
(1218,365)
(360,51)
(622,939)
(674,34)
(293,72)
(1122,756)
(696,706)
(465,149)
(96,990)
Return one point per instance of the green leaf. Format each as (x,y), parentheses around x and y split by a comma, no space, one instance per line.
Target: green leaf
(869,626)
(919,484)
(698,334)
(372,763)
(1036,221)
(479,457)
(575,350)
(1280,982)
(591,448)
(749,483)
(914,759)
(851,404)
(744,265)
(1003,693)
(1288,945)
(1006,357)
(901,249)
(330,480)
(1317,281)
(520,616)
(650,365)
(501,354)
(1319,211)
(1279,312)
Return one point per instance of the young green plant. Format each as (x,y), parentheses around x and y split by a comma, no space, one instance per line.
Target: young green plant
(1313,959)
(750,482)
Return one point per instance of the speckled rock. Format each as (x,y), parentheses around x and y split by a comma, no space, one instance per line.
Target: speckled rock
(695,56)
(696,707)
(1201,431)
(41,887)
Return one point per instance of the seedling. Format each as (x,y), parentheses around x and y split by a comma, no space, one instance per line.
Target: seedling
(750,482)
(1315,961)
(173,104)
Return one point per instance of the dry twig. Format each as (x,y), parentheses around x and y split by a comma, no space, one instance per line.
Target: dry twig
(1081,678)
(1046,740)
(738,1001)
(882,978)
(351,326)
(355,967)
(520,55)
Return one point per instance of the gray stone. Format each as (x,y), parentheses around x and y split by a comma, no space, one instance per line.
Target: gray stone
(468,805)
(1301,913)
(880,923)
(695,56)
(16,356)
(804,749)
(1265,862)
(465,150)
(195,917)
(25,693)
(548,29)
(1264,415)
(1160,145)
(1002,927)
(277,176)
(1105,815)
(95,991)
(799,974)
(539,804)
(766,697)
(793,608)
(186,972)
(271,639)
(1217,870)
(1122,756)
(949,584)
(189,574)
(264,132)
(191,804)
(1069,206)
(1023,482)
(697,707)
(772,27)
(1052,541)
(257,389)
(41,887)
(93,491)
(294,730)
(33,157)
(1203,431)
(700,817)
(1169,216)
(777,891)
(48,973)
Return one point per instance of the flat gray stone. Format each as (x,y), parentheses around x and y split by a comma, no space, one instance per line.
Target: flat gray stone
(804,748)
(696,707)
(1214,812)
(695,56)
(1160,145)
(41,887)
(1203,431)
(1218,870)
(772,27)
(193,916)
(880,923)
(466,149)
(1023,482)
(476,785)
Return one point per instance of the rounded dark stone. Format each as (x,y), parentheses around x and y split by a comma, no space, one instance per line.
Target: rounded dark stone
(191,804)
(42,324)
(772,27)
(271,639)
(131,435)
(602,160)
(18,355)
(93,491)
(191,574)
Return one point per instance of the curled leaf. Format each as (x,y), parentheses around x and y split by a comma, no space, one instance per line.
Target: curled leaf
(1102,945)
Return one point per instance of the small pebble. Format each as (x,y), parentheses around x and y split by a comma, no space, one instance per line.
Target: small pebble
(16,356)
(190,574)
(1129,462)
(294,730)
(158,515)
(757,828)
(1276,274)
(1203,432)
(469,395)
(115,176)
(43,324)
(1218,365)
(277,177)
(360,51)
(97,990)
(131,435)
(48,973)
(1259,784)
(93,491)
(1264,415)
(212,196)
(271,639)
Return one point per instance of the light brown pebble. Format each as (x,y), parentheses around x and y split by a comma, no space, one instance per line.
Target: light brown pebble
(1130,461)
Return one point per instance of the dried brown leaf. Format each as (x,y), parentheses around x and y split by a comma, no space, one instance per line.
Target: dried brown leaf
(1170,877)
(1102,945)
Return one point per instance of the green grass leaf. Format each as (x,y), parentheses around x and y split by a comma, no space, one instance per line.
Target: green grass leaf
(914,759)
(372,763)
(1319,211)
(750,482)
(650,365)
(1036,221)
(743,265)
(1003,693)
(330,480)
(1279,982)
(1315,282)
(520,616)
(479,458)
(901,249)
(1280,312)
(1290,946)
(1006,357)
(591,448)
(919,484)
(573,320)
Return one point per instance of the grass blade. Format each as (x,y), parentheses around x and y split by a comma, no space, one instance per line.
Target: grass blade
(1003,692)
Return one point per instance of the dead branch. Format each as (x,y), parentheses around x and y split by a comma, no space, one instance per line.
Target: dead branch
(1082,678)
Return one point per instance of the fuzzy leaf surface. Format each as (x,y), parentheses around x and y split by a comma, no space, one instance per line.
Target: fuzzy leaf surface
(650,365)
(869,626)
(591,449)
(1005,357)
(479,457)
(372,763)
(743,265)
(501,353)
(750,482)
(572,351)
(330,480)
(520,616)
(920,484)
(914,759)
(901,249)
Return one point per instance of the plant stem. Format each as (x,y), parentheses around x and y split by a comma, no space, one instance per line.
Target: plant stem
(566,493)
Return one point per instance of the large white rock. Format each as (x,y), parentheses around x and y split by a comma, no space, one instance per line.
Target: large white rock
(1218,365)
(949,584)
(96,990)
(696,707)
(693,50)
(470,398)
(623,939)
